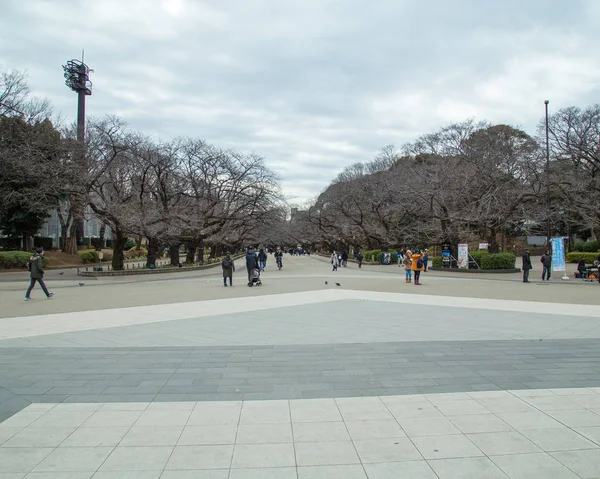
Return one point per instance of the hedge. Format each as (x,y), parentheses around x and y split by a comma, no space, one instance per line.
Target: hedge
(17,259)
(477,256)
(498,261)
(587,246)
(371,255)
(589,258)
(486,260)
(92,257)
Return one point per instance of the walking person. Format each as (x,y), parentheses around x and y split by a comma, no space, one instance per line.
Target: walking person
(417,266)
(262,259)
(408,266)
(251,263)
(547,266)
(360,258)
(228,269)
(334,261)
(526,266)
(425,261)
(36,268)
(345,259)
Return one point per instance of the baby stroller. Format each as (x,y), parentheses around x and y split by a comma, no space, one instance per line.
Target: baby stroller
(255,281)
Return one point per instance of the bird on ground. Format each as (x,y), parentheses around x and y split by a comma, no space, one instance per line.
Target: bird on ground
(337,284)
(326,282)
(81,284)
(61,273)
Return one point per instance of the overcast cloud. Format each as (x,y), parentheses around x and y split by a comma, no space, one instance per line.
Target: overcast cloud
(311,85)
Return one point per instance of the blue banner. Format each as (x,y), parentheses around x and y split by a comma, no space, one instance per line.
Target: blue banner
(558,254)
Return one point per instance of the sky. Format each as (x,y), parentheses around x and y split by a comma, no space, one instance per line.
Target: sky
(310,85)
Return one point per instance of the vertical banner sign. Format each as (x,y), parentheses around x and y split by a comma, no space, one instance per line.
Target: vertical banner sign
(463,256)
(446,261)
(558,254)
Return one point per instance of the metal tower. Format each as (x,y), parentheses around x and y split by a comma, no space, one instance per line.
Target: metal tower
(77,78)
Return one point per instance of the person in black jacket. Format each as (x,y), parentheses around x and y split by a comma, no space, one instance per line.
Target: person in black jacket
(526,266)
(251,263)
(36,267)
(262,259)
(360,258)
(547,263)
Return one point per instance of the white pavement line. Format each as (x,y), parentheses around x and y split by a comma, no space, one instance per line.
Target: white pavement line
(561,309)
(28,326)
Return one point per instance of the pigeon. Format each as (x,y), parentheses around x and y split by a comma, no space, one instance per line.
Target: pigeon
(326,282)
(81,284)
(337,284)
(61,273)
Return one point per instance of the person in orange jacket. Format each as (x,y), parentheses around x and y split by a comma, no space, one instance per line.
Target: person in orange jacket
(418,265)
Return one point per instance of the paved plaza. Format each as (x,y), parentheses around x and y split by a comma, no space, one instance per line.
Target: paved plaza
(177,377)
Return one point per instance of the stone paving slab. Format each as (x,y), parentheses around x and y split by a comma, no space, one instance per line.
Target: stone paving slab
(84,375)
(413,436)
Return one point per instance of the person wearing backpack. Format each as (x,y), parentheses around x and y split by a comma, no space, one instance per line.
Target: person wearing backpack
(36,268)
(228,268)
(417,266)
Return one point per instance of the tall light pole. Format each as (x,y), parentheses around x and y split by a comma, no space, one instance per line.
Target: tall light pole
(77,78)
(547,178)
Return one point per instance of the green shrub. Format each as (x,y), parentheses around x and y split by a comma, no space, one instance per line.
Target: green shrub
(89,257)
(477,256)
(589,258)
(17,259)
(130,245)
(591,247)
(498,261)
(372,255)
(436,261)
(587,246)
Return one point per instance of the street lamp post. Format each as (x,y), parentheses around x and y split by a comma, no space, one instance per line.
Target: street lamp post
(547,178)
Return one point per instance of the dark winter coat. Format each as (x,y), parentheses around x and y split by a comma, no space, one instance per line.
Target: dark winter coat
(547,260)
(228,267)
(262,256)
(251,260)
(37,266)
(527,262)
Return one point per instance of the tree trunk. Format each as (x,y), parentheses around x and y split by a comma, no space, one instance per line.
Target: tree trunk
(201,251)
(101,240)
(174,253)
(492,239)
(119,240)
(153,250)
(192,247)
(71,246)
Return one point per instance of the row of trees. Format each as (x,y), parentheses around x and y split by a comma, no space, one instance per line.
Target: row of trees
(183,190)
(464,182)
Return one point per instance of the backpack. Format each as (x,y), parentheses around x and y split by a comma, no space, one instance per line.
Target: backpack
(419,263)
